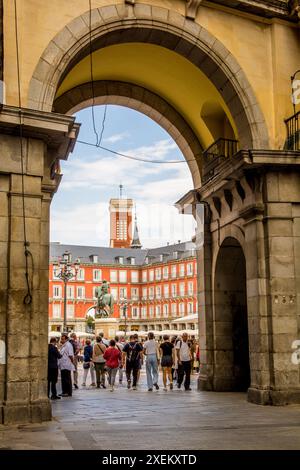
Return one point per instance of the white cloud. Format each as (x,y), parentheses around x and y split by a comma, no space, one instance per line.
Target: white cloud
(154,187)
(116,137)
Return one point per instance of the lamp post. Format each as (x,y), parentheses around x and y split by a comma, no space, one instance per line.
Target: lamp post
(124,306)
(63,269)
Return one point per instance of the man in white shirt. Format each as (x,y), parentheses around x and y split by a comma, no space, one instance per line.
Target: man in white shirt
(151,352)
(184,357)
(65,364)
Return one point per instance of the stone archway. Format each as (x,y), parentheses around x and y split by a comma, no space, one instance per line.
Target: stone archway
(230,319)
(148,24)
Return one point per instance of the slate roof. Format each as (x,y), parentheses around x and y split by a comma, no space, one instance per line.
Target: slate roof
(109,256)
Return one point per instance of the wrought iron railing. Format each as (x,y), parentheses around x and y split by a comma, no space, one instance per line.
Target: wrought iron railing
(293,132)
(221,148)
(219,151)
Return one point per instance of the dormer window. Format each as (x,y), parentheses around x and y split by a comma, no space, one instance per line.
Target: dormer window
(132,261)
(94,258)
(175,254)
(161,258)
(121,260)
(147,260)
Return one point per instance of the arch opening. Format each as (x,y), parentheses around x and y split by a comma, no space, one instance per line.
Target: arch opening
(231,319)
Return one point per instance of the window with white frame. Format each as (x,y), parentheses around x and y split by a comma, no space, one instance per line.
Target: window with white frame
(166,291)
(70,311)
(190,308)
(151,311)
(132,261)
(174,309)
(175,254)
(158,274)
(56,312)
(80,274)
(70,292)
(151,292)
(123,293)
(158,292)
(181,308)
(190,288)
(135,312)
(57,292)
(134,293)
(174,290)
(97,275)
(122,276)
(144,292)
(181,270)
(157,311)
(144,312)
(95,258)
(166,272)
(174,271)
(113,276)
(121,260)
(161,258)
(151,275)
(144,276)
(189,269)
(181,289)
(166,310)
(114,292)
(134,276)
(80,292)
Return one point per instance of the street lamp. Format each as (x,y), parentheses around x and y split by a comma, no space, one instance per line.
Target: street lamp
(63,269)
(124,306)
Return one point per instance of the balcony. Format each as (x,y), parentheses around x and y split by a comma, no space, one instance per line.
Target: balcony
(293,132)
(219,151)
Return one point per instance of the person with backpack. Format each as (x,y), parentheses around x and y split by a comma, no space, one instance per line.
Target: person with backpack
(184,357)
(99,362)
(131,354)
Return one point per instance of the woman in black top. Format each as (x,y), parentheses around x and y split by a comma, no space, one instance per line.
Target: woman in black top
(167,360)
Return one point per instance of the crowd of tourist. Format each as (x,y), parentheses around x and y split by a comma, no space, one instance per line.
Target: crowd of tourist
(104,360)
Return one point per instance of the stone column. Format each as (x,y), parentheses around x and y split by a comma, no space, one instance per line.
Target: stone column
(24,327)
(204,282)
(272,244)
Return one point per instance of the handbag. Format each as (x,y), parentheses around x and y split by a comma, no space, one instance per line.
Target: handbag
(86,365)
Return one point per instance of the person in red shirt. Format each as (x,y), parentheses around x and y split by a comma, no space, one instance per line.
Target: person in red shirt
(112,356)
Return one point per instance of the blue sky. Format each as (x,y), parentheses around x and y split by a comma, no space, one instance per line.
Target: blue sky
(91,176)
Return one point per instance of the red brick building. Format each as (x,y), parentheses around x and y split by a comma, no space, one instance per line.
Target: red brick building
(159,284)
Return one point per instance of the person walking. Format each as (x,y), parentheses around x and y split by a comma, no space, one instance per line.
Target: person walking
(167,360)
(53,356)
(76,348)
(131,354)
(184,357)
(113,358)
(120,343)
(151,353)
(99,361)
(66,366)
(88,364)
(175,363)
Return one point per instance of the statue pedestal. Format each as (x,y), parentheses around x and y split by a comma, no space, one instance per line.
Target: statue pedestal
(107,326)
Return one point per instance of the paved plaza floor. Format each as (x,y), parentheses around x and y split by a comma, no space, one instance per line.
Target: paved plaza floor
(172,420)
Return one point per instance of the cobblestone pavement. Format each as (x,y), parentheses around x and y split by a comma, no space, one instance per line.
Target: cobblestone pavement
(128,419)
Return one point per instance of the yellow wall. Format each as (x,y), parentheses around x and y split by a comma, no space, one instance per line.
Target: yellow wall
(268,52)
(157,69)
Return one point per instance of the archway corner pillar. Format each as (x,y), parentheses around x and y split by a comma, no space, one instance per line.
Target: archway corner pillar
(46,138)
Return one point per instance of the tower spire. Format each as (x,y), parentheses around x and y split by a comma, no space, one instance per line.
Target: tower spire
(136,239)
